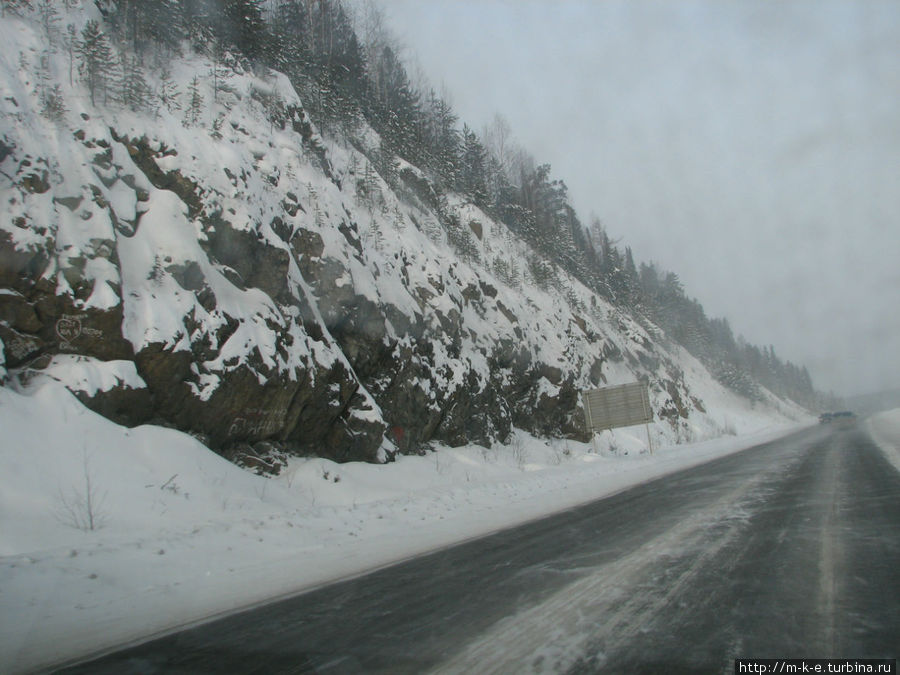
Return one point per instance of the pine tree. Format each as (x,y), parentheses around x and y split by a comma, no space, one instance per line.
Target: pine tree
(220,72)
(353,166)
(70,41)
(15,6)
(399,222)
(167,24)
(376,236)
(53,105)
(287,28)
(96,57)
(443,139)
(198,20)
(49,15)
(236,24)
(368,190)
(473,179)
(394,105)
(632,281)
(244,27)
(135,93)
(138,22)
(542,271)
(43,74)
(195,103)
(168,93)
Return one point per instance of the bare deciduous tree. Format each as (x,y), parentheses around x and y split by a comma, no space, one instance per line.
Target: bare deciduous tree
(81,507)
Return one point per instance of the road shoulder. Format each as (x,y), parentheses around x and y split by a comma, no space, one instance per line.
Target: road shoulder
(884,428)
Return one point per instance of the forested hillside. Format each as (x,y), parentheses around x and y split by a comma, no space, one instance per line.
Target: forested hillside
(245,220)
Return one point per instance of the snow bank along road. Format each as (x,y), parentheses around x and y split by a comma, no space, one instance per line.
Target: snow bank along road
(187,536)
(788,549)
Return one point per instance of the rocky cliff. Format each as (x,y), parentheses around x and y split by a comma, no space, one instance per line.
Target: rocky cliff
(271,290)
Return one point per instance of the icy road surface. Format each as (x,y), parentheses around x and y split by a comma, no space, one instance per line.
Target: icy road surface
(788,549)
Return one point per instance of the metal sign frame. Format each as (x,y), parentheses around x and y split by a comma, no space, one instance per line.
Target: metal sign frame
(624,405)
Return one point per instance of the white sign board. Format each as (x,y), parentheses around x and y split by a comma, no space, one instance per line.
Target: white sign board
(621,406)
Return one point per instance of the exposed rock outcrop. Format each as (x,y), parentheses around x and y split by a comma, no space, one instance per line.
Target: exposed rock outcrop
(272,302)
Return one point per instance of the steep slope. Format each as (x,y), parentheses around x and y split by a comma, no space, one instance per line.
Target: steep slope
(228,271)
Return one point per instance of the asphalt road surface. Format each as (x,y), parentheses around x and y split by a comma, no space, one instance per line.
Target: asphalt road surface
(787,550)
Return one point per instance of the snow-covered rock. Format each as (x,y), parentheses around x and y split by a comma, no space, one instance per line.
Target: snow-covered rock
(269,286)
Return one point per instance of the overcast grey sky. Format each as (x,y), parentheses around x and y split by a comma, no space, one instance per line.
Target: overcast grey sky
(751,147)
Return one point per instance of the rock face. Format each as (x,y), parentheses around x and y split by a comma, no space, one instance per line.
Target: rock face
(273,296)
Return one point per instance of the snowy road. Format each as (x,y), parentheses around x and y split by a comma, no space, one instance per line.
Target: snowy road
(789,549)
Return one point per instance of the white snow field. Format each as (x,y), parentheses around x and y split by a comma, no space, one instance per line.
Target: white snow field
(884,428)
(181,535)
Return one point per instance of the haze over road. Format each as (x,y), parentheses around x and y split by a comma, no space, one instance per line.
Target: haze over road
(788,549)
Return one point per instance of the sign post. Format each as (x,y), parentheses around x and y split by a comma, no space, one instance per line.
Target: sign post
(624,405)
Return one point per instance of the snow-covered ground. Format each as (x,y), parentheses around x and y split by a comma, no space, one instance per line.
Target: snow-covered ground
(885,430)
(182,535)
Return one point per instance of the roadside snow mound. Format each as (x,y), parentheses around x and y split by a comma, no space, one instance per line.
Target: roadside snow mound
(884,428)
